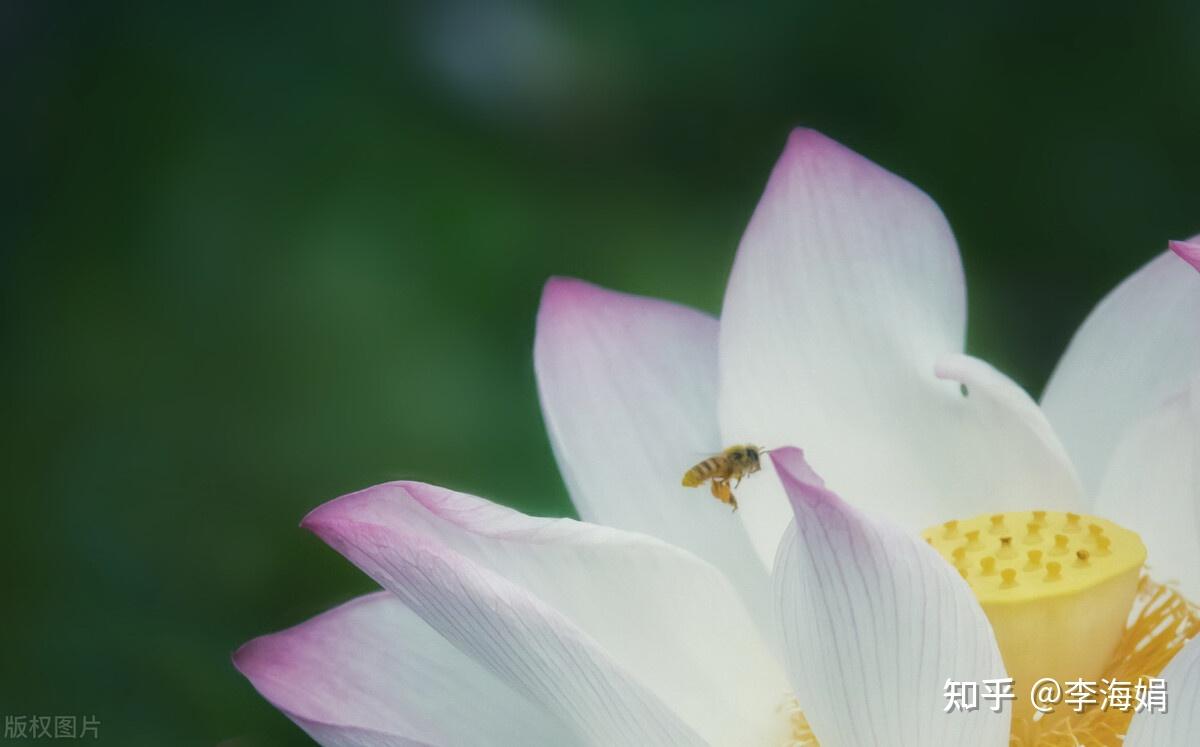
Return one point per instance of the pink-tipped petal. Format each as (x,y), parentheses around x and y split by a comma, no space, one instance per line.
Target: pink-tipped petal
(1188,251)
(874,623)
(527,644)
(1152,486)
(371,672)
(617,631)
(1138,347)
(628,389)
(846,290)
(1179,726)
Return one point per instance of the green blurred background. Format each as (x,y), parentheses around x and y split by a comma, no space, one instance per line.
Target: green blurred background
(254,258)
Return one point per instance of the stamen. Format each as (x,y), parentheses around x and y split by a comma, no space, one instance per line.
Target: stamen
(1161,622)
(802,735)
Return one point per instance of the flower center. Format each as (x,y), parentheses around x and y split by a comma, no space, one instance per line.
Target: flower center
(1057,588)
(1067,599)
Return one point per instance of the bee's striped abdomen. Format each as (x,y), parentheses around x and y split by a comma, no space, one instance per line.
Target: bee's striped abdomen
(701,472)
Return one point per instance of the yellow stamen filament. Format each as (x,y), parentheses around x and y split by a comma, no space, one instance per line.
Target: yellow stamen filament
(802,735)
(1162,621)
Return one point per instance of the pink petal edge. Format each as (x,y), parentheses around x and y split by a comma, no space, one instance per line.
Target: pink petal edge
(1187,251)
(441,551)
(879,620)
(531,646)
(265,660)
(369,671)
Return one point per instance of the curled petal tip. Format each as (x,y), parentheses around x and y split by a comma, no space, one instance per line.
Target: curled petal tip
(240,657)
(806,137)
(800,481)
(561,291)
(247,659)
(569,302)
(347,507)
(319,517)
(1188,251)
(791,460)
(368,505)
(560,284)
(808,148)
(309,519)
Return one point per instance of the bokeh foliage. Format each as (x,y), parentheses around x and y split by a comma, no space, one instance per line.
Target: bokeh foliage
(259,255)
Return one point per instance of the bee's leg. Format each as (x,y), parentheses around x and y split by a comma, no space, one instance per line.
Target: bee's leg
(739,480)
(733,501)
(720,491)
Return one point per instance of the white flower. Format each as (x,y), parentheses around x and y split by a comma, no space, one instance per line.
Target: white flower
(662,618)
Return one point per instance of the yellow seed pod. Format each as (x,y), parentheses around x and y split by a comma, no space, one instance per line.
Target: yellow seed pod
(1059,605)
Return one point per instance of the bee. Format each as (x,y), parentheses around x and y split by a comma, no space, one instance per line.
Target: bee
(733,463)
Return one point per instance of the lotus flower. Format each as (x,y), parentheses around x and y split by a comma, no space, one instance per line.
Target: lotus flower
(817,611)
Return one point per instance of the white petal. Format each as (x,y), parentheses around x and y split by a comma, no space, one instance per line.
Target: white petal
(628,388)
(1000,444)
(846,292)
(614,630)
(1139,346)
(1152,486)
(1180,725)
(371,672)
(874,624)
